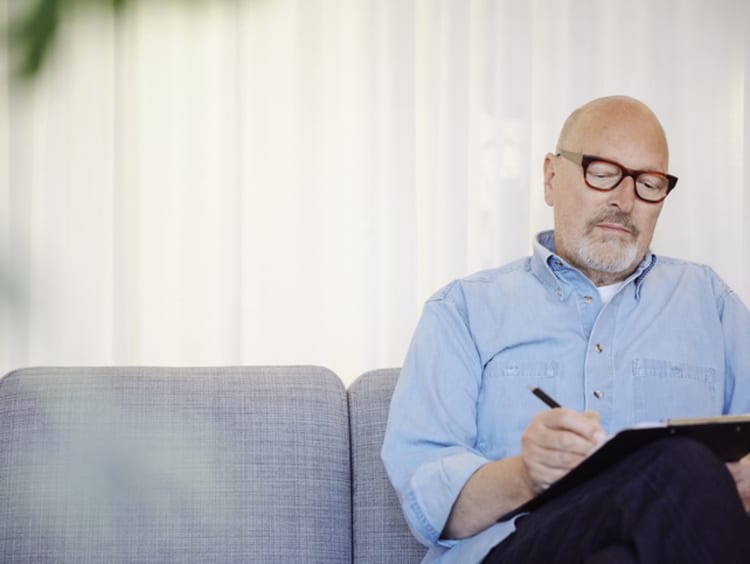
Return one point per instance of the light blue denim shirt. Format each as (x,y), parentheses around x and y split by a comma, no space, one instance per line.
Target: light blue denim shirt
(674,341)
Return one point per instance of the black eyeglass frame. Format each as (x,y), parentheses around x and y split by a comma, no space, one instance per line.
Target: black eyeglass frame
(584,161)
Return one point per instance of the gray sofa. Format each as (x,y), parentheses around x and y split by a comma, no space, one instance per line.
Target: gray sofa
(241,464)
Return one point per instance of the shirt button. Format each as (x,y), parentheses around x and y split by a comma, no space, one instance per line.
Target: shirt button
(598,394)
(587,299)
(559,292)
(599,348)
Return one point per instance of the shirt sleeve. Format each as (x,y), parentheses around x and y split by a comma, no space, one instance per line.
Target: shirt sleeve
(429,447)
(735,323)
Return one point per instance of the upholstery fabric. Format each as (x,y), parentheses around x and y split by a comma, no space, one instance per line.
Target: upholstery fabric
(170,465)
(379,528)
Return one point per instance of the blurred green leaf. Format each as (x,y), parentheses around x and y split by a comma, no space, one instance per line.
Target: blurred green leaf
(32,35)
(33,29)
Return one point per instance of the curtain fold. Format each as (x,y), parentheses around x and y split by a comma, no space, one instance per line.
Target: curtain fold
(287,181)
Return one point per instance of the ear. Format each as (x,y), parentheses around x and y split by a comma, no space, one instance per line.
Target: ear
(550,161)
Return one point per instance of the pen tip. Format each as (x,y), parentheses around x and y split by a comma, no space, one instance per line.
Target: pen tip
(532,388)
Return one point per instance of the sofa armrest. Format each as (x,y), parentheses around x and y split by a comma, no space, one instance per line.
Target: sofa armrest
(380,530)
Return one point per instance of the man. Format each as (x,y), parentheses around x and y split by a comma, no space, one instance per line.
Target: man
(614,333)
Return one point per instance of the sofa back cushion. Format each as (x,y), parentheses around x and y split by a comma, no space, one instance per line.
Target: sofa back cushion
(380,530)
(174,465)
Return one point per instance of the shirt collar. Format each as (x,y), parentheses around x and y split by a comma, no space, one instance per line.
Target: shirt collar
(559,277)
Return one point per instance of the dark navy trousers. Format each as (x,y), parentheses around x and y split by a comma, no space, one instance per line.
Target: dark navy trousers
(670,502)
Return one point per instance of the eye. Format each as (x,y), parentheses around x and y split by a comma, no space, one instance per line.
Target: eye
(603,175)
(600,169)
(652,182)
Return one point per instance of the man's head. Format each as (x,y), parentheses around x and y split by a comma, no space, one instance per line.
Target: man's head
(605,233)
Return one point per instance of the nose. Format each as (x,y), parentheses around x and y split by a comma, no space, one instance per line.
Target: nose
(623,195)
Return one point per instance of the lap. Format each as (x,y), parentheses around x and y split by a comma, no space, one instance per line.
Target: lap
(647,500)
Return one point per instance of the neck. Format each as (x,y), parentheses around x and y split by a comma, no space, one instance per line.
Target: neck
(605,278)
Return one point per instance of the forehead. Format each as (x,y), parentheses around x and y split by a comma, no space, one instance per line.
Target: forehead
(626,133)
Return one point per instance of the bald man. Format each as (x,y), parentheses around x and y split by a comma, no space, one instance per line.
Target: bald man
(618,336)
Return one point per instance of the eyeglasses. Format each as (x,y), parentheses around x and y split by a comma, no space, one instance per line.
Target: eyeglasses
(602,174)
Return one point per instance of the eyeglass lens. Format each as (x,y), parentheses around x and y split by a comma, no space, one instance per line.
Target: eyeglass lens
(605,176)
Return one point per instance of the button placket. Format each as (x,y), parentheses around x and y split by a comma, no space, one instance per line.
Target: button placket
(599,378)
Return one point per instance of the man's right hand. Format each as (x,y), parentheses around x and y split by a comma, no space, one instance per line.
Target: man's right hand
(553,443)
(556,441)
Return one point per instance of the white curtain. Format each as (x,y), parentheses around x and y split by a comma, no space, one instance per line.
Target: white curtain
(287,181)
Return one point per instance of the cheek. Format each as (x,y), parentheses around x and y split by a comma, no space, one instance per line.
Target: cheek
(576,212)
(647,223)
(564,220)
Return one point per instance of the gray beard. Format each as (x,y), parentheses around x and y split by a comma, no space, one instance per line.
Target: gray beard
(611,257)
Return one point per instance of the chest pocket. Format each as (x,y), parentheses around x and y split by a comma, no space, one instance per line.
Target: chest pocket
(664,389)
(506,405)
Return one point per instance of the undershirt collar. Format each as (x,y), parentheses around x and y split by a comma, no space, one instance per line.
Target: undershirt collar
(607,292)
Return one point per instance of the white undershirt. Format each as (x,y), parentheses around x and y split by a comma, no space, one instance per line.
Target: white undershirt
(607,292)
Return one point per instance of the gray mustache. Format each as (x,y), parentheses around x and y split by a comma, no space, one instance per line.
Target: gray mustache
(618,218)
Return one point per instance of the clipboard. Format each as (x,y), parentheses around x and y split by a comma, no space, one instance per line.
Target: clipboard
(728,436)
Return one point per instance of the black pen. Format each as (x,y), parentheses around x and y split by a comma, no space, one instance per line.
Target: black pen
(541,394)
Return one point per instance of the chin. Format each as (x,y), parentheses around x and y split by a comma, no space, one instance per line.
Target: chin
(608,256)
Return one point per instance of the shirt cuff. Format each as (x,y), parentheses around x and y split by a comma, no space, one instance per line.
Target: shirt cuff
(434,488)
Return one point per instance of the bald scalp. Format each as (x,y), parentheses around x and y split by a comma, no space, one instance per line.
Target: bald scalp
(597,113)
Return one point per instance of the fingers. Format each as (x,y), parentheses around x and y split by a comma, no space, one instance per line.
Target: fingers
(587,424)
(567,430)
(741,473)
(545,468)
(556,441)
